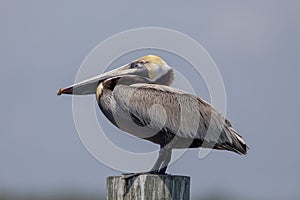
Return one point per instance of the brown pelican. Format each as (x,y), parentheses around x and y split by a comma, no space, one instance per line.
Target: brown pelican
(137,99)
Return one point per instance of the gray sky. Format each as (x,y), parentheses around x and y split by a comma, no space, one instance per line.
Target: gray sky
(255,45)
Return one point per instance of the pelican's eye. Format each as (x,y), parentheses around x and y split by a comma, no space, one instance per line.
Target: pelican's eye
(142,62)
(138,64)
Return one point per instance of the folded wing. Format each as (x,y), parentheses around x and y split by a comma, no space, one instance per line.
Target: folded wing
(185,115)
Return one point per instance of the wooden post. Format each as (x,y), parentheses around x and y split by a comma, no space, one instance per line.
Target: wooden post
(148,187)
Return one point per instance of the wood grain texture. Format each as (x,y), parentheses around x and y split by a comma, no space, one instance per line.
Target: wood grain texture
(148,187)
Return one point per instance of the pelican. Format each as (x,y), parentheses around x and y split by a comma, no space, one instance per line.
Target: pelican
(136,98)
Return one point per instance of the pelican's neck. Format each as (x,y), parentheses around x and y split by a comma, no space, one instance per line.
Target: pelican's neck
(166,79)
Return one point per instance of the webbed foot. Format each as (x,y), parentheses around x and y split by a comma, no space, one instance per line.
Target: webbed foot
(131,175)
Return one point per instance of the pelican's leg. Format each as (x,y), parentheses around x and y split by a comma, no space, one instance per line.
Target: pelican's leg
(159,167)
(162,161)
(166,162)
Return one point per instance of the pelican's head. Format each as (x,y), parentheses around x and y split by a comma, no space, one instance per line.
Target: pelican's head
(156,68)
(151,67)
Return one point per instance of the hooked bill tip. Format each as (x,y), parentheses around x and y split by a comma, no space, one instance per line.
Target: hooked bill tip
(59,91)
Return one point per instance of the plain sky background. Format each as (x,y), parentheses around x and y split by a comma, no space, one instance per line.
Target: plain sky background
(255,45)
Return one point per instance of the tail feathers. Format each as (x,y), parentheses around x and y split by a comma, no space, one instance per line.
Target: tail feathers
(235,143)
(238,145)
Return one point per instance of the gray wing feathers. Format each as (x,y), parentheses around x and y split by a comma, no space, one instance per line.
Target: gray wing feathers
(185,115)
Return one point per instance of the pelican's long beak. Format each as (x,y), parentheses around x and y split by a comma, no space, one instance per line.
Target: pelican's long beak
(89,86)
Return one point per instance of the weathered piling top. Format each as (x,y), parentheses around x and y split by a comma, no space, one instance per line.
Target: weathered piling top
(148,187)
